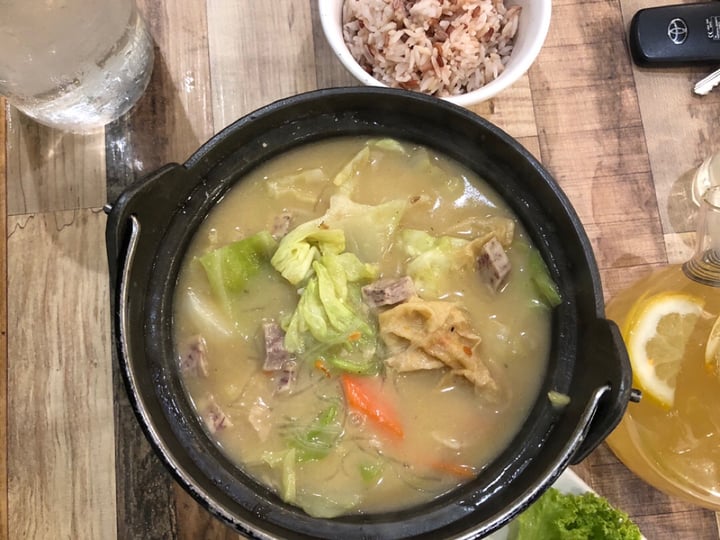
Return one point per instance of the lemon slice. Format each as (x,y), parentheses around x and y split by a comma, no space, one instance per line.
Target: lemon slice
(657,332)
(712,348)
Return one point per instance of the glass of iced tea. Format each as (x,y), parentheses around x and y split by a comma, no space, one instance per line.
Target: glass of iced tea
(670,324)
(73,64)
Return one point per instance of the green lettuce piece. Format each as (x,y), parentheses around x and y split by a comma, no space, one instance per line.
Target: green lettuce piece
(288,474)
(317,439)
(358,363)
(229,268)
(329,309)
(303,186)
(346,267)
(365,230)
(311,442)
(370,472)
(389,145)
(301,246)
(315,504)
(435,259)
(309,317)
(338,314)
(417,242)
(546,290)
(352,166)
(356,355)
(348,177)
(540,276)
(369,229)
(326,506)
(559,516)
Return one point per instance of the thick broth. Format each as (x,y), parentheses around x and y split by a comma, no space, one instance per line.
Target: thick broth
(450,430)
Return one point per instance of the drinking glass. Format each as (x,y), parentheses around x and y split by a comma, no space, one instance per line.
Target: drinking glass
(706,176)
(73,64)
(670,321)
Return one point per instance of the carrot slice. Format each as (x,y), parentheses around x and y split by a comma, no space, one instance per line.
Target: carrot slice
(363,394)
(320,366)
(461,471)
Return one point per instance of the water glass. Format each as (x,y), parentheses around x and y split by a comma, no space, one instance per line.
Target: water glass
(73,64)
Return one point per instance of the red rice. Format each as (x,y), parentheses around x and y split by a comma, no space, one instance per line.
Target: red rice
(439,47)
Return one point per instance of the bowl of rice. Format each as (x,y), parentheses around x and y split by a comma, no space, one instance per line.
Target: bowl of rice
(464,51)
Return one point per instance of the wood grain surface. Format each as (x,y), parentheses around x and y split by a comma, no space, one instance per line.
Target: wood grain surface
(621,141)
(3,327)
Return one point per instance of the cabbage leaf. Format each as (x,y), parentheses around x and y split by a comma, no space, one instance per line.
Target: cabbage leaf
(389,145)
(229,268)
(434,259)
(301,246)
(547,293)
(329,309)
(365,230)
(303,186)
(369,229)
(330,318)
(351,167)
(315,440)
(544,284)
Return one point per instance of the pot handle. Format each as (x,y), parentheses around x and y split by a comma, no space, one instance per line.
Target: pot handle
(607,360)
(153,200)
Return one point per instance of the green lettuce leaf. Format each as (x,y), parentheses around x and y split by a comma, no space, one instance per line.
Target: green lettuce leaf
(559,516)
(389,145)
(301,246)
(546,291)
(340,317)
(346,268)
(365,230)
(544,284)
(304,186)
(304,443)
(286,459)
(328,505)
(369,229)
(351,168)
(434,260)
(317,439)
(329,310)
(331,320)
(229,268)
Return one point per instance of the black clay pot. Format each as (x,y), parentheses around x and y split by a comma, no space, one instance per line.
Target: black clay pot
(151,224)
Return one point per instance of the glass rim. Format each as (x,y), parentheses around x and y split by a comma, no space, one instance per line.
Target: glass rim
(711,197)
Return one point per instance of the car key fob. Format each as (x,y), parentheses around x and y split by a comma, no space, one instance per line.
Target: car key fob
(676,35)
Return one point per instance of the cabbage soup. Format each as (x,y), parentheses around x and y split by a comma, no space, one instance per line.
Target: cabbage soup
(362,325)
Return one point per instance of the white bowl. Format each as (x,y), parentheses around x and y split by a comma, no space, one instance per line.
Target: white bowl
(532,30)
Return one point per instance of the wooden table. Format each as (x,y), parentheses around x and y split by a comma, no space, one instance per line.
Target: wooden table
(621,141)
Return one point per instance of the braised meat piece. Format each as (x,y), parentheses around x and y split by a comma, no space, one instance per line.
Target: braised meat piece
(281,225)
(387,292)
(276,355)
(193,358)
(287,376)
(277,358)
(214,417)
(493,263)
